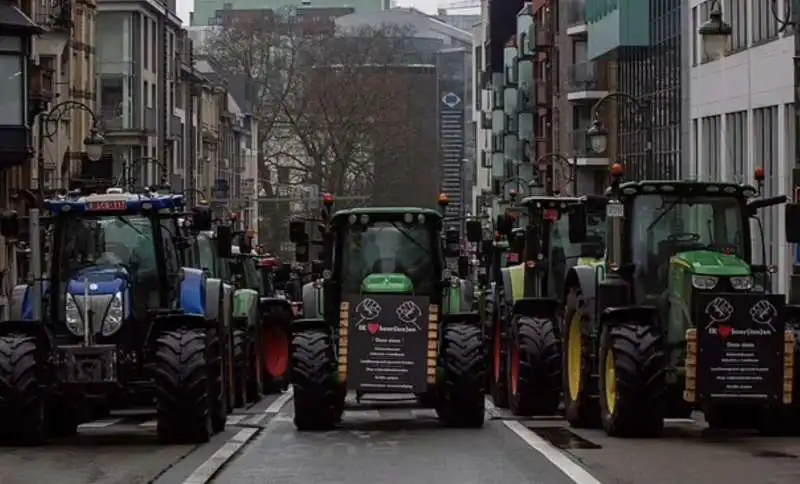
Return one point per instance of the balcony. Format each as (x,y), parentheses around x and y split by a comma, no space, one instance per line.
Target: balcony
(55,17)
(585,82)
(580,145)
(576,18)
(121,123)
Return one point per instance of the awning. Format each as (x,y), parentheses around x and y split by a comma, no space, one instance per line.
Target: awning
(14,19)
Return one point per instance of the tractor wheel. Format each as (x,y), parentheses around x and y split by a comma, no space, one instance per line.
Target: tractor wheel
(276,351)
(22,415)
(632,380)
(317,393)
(499,384)
(534,367)
(460,400)
(240,367)
(582,410)
(184,382)
(254,386)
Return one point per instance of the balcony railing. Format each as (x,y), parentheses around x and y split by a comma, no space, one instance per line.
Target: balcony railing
(54,14)
(583,75)
(579,142)
(576,12)
(117,118)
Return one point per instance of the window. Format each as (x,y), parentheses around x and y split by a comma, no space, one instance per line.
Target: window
(11,81)
(146,43)
(735,13)
(695,37)
(695,148)
(765,26)
(765,139)
(737,145)
(154,45)
(711,154)
(146,94)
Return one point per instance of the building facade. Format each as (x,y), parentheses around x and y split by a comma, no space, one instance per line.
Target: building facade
(205,11)
(742,112)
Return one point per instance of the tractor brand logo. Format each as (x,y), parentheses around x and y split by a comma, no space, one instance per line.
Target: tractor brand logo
(719,310)
(407,314)
(764,313)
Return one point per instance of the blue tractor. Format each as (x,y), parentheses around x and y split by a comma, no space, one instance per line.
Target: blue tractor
(115,321)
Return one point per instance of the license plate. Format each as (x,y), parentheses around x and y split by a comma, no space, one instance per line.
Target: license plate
(615,210)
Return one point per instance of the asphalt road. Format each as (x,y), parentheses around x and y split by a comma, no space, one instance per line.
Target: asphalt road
(120,450)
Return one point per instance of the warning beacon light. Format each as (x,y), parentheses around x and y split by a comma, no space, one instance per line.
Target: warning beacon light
(617,170)
(327,200)
(443,200)
(759,174)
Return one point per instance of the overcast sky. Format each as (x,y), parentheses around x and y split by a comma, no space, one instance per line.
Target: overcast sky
(428,6)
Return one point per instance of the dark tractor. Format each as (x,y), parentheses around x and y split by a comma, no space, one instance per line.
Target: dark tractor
(116,322)
(675,317)
(379,321)
(527,341)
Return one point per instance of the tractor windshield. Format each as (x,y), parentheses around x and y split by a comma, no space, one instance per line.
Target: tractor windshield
(125,241)
(387,248)
(664,225)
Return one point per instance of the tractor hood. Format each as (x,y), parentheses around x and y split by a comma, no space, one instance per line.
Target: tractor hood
(387,283)
(711,263)
(102,279)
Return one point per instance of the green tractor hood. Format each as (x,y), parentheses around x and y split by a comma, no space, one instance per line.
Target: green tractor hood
(711,263)
(387,283)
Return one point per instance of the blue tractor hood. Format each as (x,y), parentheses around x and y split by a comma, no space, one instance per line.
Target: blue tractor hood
(102,279)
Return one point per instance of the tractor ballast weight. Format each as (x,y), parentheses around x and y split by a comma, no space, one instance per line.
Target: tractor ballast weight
(526,341)
(117,324)
(379,320)
(675,317)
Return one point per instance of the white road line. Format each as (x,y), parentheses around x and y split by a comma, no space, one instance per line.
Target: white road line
(279,402)
(255,420)
(212,465)
(99,424)
(234,419)
(150,424)
(570,468)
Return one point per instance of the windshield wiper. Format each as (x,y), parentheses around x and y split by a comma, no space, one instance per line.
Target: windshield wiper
(410,238)
(662,214)
(129,224)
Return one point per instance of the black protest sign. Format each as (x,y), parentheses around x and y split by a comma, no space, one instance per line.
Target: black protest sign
(740,345)
(388,344)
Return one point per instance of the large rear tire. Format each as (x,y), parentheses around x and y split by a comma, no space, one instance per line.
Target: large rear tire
(241,357)
(499,384)
(276,347)
(22,415)
(184,382)
(460,394)
(580,388)
(534,367)
(633,382)
(317,393)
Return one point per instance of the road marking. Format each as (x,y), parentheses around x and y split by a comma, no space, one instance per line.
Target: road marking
(212,465)
(99,424)
(255,420)
(279,402)
(150,424)
(570,468)
(234,419)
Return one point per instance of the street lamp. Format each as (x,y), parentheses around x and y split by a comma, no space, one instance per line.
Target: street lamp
(547,171)
(598,134)
(129,169)
(714,32)
(48,127)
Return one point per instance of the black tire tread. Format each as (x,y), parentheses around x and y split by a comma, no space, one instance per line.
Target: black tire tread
(539,368)
(21,398)
(585,411)
(461,401)
(314,376)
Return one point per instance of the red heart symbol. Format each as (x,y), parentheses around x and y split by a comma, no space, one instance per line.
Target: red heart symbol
(373,328)
(725,332)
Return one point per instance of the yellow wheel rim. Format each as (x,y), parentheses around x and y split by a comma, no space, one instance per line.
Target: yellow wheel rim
(610,382)
(574,356)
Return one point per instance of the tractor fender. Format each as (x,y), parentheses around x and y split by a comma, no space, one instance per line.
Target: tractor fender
(16,302)
(176,321)
(508,296)
(227,304)
(213,299)
(584,278)
(467,293)
(26,300)
(536,307)
(312,301)
(34,329)
(303,324)
(245,306)
(275,304)
(193,297)
(642,315)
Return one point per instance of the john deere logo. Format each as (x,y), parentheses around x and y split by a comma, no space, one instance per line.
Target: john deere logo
(451,100)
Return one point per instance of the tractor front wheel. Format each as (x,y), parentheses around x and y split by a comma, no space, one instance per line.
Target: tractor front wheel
(460,397)
(534,379)
(184,382)
(580,402)
(22,403)
(632,380)
(318,399)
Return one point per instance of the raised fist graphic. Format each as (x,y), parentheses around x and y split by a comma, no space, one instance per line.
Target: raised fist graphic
(368,309)
(764,312)
(719,310)
(409,313)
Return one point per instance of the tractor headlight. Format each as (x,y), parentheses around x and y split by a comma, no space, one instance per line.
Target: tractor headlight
(114,316)
(704,282)
(73,317)
(742,283)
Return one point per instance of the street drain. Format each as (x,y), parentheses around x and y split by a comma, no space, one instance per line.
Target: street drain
(563,438)
(774,454)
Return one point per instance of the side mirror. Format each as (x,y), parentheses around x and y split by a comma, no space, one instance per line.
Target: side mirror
(463,267)
(201,219)
(224,238)
(503,224)
(452,245)
(792,222)
(9,224)
(297,232)
(518,242)
(317,267)
(577,225)
(474,231)
(486,247)
(301,252)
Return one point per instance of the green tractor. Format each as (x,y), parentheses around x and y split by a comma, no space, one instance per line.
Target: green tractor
(379,321)
(526,342)
(675,317)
